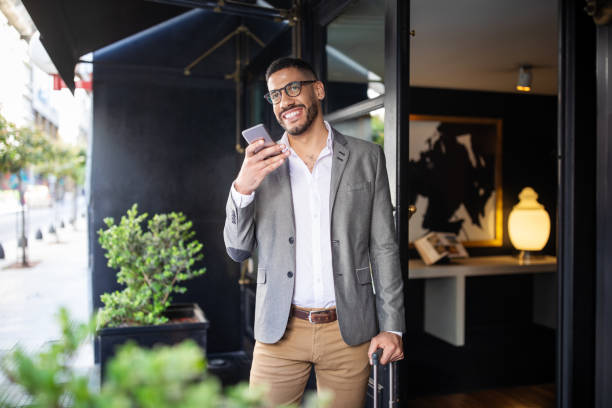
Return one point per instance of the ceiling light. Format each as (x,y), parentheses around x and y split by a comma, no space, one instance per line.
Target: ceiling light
(524,79)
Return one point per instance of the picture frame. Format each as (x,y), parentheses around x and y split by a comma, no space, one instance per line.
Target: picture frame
(455,178)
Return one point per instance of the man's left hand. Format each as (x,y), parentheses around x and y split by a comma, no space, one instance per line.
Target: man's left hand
(390,343)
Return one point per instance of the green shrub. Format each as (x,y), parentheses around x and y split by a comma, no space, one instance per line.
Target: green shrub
(167,377)
(47,377)
(151,265)
(162,377)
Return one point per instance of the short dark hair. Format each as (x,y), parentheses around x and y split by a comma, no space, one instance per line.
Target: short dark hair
(290,62)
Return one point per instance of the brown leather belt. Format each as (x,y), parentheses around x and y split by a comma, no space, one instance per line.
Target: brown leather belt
(315,316)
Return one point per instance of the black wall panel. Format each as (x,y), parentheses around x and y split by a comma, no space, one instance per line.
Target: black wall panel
(169,148)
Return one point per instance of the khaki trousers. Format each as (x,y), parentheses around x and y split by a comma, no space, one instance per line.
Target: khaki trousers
(284,367)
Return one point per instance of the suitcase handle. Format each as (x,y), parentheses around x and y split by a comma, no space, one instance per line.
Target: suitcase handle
(393,402)
(375,358)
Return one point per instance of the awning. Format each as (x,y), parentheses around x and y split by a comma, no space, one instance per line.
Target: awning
(72,28)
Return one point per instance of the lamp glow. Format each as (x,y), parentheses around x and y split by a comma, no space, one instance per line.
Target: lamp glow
(528,224)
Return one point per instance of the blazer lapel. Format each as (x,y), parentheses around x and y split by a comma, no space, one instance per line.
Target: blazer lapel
(339,160)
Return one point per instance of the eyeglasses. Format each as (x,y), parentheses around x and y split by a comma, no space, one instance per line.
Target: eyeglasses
(292,89)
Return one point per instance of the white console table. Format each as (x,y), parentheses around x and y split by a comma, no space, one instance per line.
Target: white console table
(445,290)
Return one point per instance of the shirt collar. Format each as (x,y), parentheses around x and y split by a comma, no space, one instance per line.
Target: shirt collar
(329,143)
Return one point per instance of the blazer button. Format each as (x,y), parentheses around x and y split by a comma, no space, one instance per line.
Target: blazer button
(290,274)
(291,240)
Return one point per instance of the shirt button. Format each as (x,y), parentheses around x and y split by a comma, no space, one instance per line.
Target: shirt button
(290,274)
(291,240)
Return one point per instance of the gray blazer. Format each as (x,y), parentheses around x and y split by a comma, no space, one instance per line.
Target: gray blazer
(364,249)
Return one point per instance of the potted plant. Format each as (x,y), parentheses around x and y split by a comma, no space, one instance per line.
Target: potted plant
(152,263)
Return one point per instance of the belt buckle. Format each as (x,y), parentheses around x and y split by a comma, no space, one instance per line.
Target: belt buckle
(310,315)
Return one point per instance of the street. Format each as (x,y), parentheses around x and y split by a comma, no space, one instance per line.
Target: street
(36,218)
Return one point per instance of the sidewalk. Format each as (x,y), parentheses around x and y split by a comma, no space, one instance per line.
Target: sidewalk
(30,297)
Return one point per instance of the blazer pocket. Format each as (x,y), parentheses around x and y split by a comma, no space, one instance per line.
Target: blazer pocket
(363,275)
(261,275)
(358,186)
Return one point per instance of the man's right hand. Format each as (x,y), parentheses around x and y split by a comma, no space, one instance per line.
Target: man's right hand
(256,166)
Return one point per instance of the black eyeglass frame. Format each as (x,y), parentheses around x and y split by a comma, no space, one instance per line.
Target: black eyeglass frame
(268,96)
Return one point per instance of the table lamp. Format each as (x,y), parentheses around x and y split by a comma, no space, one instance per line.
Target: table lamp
(528,225)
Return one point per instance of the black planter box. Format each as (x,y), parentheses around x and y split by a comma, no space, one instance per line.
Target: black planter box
(109,339)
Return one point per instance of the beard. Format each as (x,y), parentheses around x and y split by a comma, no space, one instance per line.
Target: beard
(311,114)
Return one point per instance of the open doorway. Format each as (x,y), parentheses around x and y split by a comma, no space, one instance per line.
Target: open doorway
(483,128)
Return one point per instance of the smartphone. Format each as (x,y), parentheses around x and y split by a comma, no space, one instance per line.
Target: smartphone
(257,132)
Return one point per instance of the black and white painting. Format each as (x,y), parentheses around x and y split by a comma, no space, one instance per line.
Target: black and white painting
(455,178)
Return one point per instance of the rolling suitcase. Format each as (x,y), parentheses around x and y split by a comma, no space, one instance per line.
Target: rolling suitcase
(382,385)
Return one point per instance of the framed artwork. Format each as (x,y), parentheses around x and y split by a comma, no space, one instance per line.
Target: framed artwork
(454,178)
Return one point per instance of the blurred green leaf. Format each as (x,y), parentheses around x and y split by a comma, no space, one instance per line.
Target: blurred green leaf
(162,377)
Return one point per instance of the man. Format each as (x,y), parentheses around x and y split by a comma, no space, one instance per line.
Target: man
(317,207)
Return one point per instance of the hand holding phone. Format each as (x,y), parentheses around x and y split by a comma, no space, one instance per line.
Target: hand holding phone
(262,156)
(257,132)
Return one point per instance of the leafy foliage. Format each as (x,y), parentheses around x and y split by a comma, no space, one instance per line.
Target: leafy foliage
(378,130)
(164,377)
(65,162)
(47,377)
(4,130)
(151,265)
(21,147)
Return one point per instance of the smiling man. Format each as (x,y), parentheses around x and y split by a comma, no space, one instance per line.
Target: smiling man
(317,207)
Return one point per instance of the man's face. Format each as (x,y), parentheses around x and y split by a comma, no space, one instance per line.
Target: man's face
(296,114)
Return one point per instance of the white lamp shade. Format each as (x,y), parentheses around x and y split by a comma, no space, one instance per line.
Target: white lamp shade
(529,223)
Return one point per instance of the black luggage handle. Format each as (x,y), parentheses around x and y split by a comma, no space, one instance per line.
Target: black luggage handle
(375,363)
(375,357)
